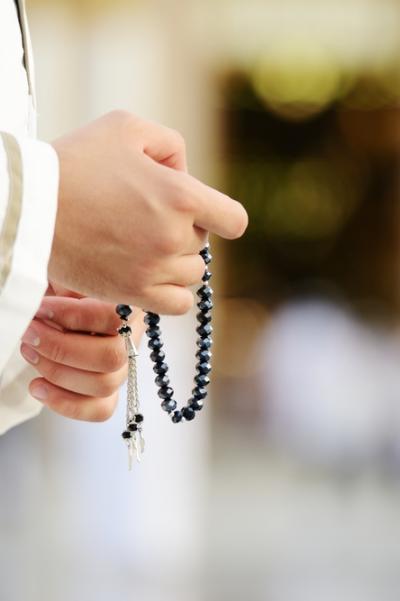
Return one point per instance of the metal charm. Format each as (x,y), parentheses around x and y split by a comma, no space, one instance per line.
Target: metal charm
(133,434)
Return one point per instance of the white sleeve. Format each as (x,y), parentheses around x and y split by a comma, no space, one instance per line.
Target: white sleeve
(28,206)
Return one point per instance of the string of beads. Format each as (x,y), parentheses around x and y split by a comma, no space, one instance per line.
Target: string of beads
(134,422)
(203,354)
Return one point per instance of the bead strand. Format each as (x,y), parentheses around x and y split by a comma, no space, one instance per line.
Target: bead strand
(203,354)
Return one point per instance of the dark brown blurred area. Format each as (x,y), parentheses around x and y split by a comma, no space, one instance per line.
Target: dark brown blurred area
(323,198)
(321,184)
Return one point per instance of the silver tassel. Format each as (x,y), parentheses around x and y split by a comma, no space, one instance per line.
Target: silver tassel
(136,442)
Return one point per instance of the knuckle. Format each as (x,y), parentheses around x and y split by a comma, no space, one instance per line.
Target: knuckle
(178,138)
(183,303)
(114,357)
(141,275)
(71,409)
(119,116)
(57,350)
(71,318)
(53,372)
(104,410)
(125,124)
(181,199)
(171,243)
(106,386)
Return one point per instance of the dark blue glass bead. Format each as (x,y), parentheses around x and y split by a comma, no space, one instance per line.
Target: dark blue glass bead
(177,417)
(157,356)
(204,331)
(139,418)
(160,368)
(155,343)
(202,380)
(204,343)
(188,413)
(169,405)
(204,356)
(125,330)
(153,332)
(205,253)
(132,427)
(123,311)
(207,257)
(203,318)
(205,292)
(205,305)
(166,392)
(196,404)
(162,381)
(203,368)
(126,434)
(152,319)
(199,393)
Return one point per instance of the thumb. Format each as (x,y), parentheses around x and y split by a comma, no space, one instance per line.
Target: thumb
(57,290)
(84,315)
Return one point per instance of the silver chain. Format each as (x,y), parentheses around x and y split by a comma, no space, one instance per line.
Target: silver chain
(136,442)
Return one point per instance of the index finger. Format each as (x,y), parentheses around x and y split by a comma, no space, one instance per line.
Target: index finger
(214,211)
(83,315)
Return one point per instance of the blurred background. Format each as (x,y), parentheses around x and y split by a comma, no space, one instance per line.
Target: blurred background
(288,487)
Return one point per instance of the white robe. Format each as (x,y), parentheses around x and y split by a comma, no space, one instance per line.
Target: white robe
(28,204)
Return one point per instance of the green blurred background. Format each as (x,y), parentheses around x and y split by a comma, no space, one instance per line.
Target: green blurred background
(288,488)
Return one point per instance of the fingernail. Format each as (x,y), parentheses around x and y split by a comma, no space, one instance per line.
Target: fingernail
(40,392)
(30,337)
(43,313)
(29,354)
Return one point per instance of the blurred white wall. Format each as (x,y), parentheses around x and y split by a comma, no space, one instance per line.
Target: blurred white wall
(91,529)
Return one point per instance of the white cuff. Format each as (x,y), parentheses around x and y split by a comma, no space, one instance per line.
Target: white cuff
(26,282)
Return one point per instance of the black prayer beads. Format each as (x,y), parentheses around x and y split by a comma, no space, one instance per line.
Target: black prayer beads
(134,421)
(203,354)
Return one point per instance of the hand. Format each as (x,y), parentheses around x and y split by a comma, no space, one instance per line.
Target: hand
(80,372)
(130,220)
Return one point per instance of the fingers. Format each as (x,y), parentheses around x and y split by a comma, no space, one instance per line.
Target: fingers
(183,271)
(72,405)
(58,290)
(164,145)
(172,296)
(168,299)
(212,211)
(87,383)
(85,315)
(90,353)
(195,242)
(81,374)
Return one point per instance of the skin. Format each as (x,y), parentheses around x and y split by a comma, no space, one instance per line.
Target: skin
(80,373)
(130,224)
(131,220)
